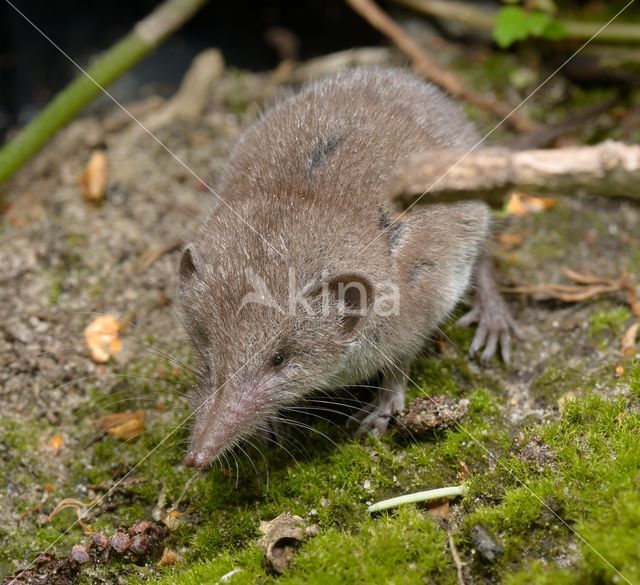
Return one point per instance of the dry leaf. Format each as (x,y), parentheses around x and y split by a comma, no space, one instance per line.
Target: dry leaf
(169,557)
(95,177)
(439,509)
(102,338)
(123,425)
(463,472)
(628,345)
(509,241)
(55,443)
(522,204)
(619,372)
(172,520)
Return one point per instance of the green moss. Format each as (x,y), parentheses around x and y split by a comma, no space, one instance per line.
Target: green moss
(589,481)
(590,489)
(404,548)
(555,381)
(56,282)
(611,321)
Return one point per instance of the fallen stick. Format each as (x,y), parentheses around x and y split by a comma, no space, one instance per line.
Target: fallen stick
(483,19)
(144,38)
(428,68)
(609,169)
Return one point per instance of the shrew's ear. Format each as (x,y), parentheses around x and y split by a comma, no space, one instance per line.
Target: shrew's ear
(189,263)
(353,297)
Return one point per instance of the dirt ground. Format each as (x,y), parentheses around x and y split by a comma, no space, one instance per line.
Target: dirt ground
(64,261)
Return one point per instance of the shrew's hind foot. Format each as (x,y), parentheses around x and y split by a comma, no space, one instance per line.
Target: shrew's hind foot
(496,325)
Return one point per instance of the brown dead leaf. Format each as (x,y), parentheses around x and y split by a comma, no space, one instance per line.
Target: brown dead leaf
(172,520)
(510,240)
(102,338)
(55,444)
(125,425)
(281,537)
(95,177)
(521,204)
(628,345)
(439,509)
(169,557)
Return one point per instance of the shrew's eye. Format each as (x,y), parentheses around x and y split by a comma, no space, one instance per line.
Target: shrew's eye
(277,359)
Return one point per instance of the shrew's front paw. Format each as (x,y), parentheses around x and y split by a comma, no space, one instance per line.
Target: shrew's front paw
(496,326)
(375,419)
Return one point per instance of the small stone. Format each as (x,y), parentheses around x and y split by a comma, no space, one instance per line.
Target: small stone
(485,545)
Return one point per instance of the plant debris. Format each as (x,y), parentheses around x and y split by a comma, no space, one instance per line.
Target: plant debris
(169,557)
(141,541)
(81,509)
(282,535)
(522,204)
(125,425)
(102,338)
(437,494)
(587,286)
(629,347)
(95,177)
(433,413)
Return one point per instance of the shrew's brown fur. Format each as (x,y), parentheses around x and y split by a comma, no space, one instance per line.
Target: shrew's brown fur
(305,212)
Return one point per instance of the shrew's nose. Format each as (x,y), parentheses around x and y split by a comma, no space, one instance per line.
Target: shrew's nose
(197,459)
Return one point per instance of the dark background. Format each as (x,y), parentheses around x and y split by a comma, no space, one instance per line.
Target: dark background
(32,70)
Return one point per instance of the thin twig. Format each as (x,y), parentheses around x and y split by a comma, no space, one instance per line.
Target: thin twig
(456,559)
(428,68)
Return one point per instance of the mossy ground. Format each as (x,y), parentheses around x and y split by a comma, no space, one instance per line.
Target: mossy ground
(570,517)
(549,447)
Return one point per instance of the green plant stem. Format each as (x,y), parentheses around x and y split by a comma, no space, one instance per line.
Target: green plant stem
(476,18)
(144,38)
(445,492)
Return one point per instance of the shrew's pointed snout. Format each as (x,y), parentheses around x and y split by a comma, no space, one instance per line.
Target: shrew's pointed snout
(205,448)
(197,459)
